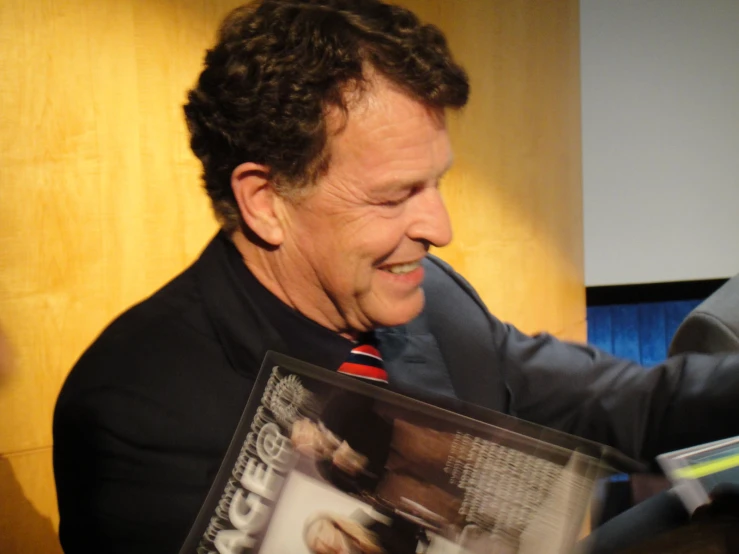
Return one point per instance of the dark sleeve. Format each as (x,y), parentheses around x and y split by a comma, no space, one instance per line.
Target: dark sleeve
(579,389)
(642,411)
(138,440)
(119,491)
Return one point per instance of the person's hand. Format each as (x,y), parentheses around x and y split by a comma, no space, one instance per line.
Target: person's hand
(348,460)
(323,536)
(724,504)
(308,439)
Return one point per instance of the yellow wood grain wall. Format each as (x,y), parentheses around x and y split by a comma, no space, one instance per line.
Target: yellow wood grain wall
(515,192)
(100,200)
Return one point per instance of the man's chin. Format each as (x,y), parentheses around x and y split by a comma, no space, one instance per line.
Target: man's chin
(401,312)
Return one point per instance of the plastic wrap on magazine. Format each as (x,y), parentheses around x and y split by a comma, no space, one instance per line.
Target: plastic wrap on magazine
(262,479)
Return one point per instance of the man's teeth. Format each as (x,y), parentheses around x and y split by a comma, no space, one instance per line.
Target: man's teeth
(400,269)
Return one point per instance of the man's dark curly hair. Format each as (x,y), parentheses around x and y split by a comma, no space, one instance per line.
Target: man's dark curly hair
(276,68)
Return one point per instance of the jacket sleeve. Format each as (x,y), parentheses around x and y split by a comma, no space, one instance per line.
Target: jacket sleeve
(115,493)
(686,400)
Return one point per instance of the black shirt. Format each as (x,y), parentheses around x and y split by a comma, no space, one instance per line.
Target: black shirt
(146,415)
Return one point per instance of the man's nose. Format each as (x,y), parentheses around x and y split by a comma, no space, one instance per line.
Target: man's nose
(431,220)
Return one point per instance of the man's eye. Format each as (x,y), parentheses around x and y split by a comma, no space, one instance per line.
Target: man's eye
(398,201)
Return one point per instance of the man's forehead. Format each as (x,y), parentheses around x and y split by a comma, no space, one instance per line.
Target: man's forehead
(387,126)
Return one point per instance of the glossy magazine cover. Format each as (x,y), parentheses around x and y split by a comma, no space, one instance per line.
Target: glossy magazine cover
(325,463)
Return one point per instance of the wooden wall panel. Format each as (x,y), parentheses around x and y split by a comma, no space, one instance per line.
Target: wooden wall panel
(100,202)
(28,514)
(514,194)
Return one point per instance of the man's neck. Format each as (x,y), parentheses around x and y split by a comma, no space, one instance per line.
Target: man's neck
(261,263)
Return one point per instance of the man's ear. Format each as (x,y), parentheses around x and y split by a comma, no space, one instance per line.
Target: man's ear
(257,201)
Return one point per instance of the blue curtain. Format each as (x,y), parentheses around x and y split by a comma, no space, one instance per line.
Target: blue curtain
(639,332)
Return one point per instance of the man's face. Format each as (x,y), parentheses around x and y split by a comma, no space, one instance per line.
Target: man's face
(354,244)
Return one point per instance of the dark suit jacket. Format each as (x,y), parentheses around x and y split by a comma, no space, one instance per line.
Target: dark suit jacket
(146,416)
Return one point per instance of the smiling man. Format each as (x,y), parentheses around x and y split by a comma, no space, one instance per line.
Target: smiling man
(346,253)
(321,128)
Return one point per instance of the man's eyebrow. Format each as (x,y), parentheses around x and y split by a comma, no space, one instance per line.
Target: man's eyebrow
(401,184)
(446,169)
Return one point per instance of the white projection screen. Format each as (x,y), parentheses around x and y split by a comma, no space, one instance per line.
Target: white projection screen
(660,112)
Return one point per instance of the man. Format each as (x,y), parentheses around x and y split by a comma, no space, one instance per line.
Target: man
(321,128)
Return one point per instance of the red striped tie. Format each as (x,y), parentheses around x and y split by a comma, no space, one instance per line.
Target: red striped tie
(365,362)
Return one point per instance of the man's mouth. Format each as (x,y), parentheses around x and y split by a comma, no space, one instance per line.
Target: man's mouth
(401,269)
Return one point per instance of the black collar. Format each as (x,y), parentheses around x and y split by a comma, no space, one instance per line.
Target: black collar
(249,320)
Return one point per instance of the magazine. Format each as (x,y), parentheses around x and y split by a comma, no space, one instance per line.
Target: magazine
(698,470)
(325,463)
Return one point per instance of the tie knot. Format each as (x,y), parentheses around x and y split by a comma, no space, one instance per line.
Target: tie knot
(365,361)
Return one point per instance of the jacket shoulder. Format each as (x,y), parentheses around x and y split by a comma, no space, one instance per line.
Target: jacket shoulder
(471,340)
